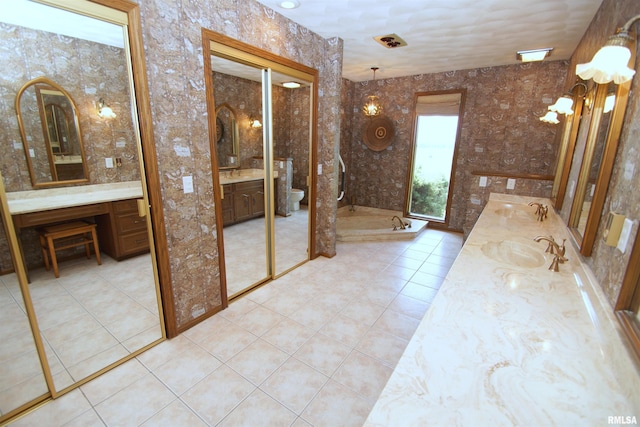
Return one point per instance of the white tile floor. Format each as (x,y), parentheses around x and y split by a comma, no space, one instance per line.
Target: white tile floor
(91,316)
(314,347)
(245,248)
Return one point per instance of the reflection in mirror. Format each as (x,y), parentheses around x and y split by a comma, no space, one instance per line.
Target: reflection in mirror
(92,317)
(21,376)
(237,91)
(262,242)
(567,147)
(227,136)
(50,130)
(291,147)
(597,163)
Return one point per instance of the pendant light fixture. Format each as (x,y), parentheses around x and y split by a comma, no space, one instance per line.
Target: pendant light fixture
(372,107)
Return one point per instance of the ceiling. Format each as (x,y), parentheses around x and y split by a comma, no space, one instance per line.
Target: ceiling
(442,35)
(46,18)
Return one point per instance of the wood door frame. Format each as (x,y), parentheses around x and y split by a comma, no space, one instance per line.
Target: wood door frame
(267,59)
(454,160)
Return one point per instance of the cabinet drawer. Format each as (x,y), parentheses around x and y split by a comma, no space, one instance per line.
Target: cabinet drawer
(129,223)
(134,243)
(249,185)
(58,215)
(125,206)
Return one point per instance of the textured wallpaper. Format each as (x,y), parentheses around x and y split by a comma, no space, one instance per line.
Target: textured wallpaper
(608,263)
(87,71)
(172,42)
(500,132)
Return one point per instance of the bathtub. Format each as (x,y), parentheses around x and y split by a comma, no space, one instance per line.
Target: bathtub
(367,223)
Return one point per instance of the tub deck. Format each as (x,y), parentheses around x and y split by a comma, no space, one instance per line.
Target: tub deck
(366,224)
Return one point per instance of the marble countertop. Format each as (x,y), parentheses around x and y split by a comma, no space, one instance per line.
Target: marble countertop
(67,159)
(243,175)
(508,342)
(64,197)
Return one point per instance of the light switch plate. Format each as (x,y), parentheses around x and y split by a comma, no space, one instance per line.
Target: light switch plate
(108,162)
(320,169)
(624,235)
(187,184)
(511,183)
(483,181)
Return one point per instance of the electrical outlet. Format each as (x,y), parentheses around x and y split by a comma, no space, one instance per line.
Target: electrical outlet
(320,169)
(511,183)
(483,181)
(108,162)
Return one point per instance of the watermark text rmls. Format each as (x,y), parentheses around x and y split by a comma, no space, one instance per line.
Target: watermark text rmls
(622,420)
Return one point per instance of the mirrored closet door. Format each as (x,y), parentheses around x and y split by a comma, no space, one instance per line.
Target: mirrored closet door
(73,163)
(263,165)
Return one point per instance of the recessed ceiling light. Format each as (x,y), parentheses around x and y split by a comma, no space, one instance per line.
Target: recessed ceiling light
(289,4)
(533,55)
(291,85)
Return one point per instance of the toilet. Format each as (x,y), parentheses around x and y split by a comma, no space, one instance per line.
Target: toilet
(294,201)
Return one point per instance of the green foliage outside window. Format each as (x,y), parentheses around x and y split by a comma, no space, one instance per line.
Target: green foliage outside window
(429,198)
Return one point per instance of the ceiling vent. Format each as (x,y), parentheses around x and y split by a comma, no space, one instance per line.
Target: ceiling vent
(390,41)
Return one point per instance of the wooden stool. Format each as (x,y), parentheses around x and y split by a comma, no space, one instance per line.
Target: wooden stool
(71,234)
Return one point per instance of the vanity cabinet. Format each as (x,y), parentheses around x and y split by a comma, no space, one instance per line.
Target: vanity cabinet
(69,171)
(242,201)
(123,233)
(227,204)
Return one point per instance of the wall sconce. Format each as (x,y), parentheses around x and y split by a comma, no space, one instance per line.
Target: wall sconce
(372,107)
(104,111)
(611,62)
(550,117)
(564,104)
(255,123)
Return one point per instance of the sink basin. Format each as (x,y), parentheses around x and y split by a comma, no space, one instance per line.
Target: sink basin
(514,253)
(510,212)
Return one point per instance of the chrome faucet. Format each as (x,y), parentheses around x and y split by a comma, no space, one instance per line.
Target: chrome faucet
(541,210)
(403,225)
(554,249)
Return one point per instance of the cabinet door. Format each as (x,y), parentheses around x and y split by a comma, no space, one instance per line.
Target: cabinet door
(257,201)
(241,205)
(227,205)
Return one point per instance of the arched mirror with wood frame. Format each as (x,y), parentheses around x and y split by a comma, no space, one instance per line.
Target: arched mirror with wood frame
(51,136)
(597,163)
(227,137)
